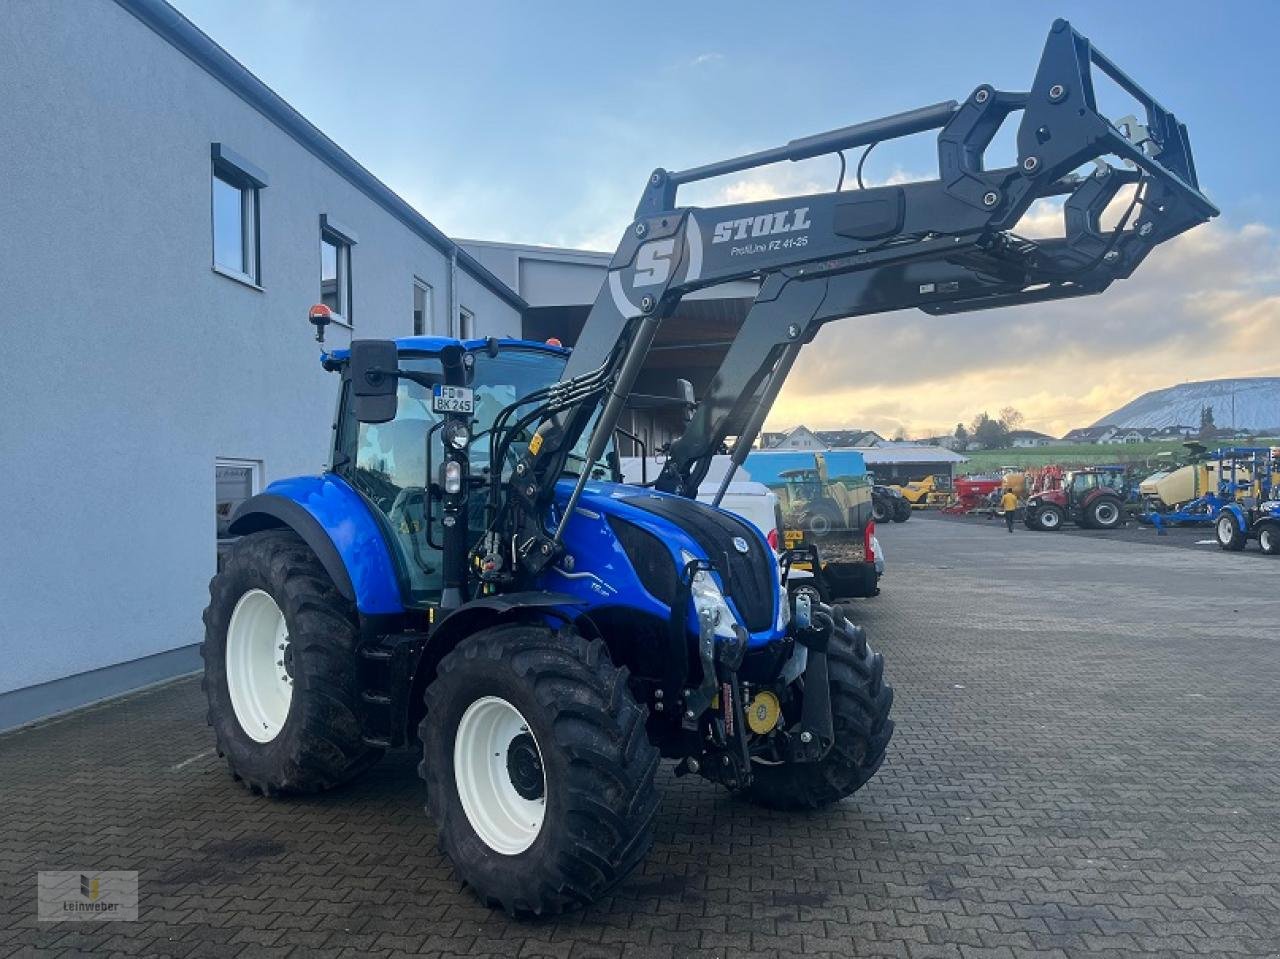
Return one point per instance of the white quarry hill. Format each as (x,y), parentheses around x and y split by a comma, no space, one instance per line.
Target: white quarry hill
(1256,403)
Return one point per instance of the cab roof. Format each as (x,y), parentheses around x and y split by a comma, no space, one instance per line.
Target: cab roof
(432,345)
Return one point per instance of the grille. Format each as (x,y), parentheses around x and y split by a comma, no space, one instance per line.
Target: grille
(651,560)
(748,578)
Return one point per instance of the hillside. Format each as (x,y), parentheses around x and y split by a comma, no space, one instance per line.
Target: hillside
(1257,405)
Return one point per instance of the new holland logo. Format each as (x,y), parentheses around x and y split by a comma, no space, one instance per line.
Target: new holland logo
(741,545)
(766,224)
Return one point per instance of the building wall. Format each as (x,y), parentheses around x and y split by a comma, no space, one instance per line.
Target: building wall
(129,364)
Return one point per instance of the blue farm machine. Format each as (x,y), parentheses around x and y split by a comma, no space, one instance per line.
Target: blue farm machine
(1228,488)
(469,578)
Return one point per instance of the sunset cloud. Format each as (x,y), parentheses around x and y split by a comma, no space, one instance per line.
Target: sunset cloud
(1206,305)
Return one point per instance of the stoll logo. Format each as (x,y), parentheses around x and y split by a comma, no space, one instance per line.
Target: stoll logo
(87,896)
(767,224)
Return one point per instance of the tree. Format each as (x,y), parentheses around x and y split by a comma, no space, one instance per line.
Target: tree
(962,437)
(990,434)
(1011,418)
(1208,429)
(900,434)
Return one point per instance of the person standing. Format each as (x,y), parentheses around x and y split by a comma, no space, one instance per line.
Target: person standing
(1009,503)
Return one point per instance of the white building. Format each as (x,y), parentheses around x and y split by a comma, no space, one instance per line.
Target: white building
(167,220)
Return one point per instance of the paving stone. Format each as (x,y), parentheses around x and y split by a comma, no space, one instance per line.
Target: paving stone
(1084,765)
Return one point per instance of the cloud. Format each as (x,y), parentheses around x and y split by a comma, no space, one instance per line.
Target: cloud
(1203,306)
(704,58)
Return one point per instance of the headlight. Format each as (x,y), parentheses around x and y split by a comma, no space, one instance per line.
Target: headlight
(708,598)
(456,434)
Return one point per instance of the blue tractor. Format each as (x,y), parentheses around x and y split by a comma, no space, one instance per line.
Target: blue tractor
(470,579)
(1251,509)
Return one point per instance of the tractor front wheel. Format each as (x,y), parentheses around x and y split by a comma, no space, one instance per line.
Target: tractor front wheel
(280,669)
(860,704)
(1230,536)
(901,511)
(1269,538)
(539,772)
(1049,518)
(882,509)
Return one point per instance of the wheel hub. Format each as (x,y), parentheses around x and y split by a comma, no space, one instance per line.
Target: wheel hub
(524,766)
(259,665)
(499,774)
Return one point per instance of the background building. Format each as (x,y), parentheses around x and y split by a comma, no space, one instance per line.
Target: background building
(166,222)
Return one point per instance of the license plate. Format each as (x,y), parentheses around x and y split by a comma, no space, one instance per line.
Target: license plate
(792,538)
(452,399)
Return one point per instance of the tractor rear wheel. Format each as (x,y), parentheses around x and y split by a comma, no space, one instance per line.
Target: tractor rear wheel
(539,772)
(860,704)
(1105,512)
(1269,538)
(901,511)
(824,518)
(1230,536)
(280,669)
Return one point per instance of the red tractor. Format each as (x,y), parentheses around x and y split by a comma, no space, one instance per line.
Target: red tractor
(1092,498)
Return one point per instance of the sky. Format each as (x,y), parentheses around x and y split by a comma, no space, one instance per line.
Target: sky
(539,123)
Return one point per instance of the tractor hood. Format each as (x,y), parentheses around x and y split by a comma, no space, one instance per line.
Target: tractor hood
(623,537)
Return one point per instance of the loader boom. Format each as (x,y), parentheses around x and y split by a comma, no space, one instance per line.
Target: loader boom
(944,245)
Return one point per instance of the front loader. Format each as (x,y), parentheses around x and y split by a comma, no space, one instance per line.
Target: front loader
(470,578)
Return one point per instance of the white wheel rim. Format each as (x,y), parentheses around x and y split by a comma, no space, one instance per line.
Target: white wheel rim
(506,820)
(259,666)
(1106,514)
(1225,530)
(1049,518)
(1264,540)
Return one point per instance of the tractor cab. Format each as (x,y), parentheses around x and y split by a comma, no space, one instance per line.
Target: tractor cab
(398,466)
(1081,482)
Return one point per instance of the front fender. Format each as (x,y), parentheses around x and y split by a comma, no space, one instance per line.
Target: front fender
(1236,511)
(336,523)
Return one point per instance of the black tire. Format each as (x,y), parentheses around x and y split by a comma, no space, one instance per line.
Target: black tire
(860,704)
(1050,517)
(1269,538)
(1031,519)
(824,518)
(1228,532)
(882,509)
(598,764)
(1105,512)
(319,745)
(901,511)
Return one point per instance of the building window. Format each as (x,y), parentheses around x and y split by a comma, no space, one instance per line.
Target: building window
(236,188)
(335,268)
(466,324)
(421,308)
(235,481)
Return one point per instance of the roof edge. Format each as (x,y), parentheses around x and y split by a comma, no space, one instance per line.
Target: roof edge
(200,48)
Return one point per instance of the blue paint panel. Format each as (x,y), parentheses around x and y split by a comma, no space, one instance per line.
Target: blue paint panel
(602,574)
(355,534)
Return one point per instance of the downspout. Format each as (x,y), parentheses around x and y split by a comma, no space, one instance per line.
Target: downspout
(453,293)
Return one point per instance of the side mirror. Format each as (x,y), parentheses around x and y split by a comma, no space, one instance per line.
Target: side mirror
(374,368)
(685,389)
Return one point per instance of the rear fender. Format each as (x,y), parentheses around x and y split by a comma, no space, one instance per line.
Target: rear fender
(336,523)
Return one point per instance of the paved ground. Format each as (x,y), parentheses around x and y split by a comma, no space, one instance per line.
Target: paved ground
(1087,763)
(1198,538)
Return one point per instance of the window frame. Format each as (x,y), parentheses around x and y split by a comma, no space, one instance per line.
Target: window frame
(466,324)
(428,310)
(343,241)
(239,174)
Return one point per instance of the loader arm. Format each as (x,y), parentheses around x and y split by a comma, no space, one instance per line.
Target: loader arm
(944,245)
